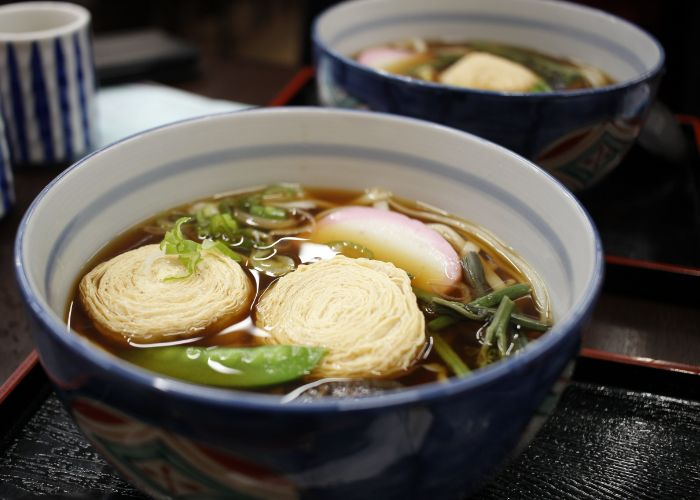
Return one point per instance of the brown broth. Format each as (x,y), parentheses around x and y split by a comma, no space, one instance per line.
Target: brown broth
(439,55)
(464,337)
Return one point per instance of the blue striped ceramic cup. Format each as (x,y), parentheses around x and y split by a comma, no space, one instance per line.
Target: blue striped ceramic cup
(47,82)
(7,192)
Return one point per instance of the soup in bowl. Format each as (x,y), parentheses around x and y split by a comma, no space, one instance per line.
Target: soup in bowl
(324,231)
(564,85)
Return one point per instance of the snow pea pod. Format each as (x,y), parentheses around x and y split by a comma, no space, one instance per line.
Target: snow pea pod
(241,367)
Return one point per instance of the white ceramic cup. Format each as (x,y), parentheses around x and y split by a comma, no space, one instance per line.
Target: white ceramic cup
(47,82)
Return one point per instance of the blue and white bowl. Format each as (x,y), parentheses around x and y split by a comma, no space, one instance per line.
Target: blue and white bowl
(579,136)
(172,438)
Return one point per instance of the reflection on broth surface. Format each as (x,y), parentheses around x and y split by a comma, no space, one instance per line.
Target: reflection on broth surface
(309,292)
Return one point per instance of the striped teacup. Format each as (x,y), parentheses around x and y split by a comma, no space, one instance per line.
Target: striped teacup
(47,82)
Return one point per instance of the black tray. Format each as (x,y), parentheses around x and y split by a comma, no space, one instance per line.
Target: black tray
(647,212)
(619,431)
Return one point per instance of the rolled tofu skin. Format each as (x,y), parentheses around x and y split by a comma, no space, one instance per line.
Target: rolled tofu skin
(130,298)
(363,311)
(484,71)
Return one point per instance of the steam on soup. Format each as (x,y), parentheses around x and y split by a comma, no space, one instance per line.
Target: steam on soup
(482,65)
(309,292)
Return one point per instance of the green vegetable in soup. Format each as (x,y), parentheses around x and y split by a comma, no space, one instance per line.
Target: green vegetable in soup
(442,322)
(237,367)
(261,204)
(450,357)
(221,247)
(429,70)
(282,192)
(476,312)
(474,273)
(472,310)
(459,308)
(188,251)
(512,292)
(520,320)
(268,212)
(218,226)
(498,327)
(498,341)
(556,74)
(540,86)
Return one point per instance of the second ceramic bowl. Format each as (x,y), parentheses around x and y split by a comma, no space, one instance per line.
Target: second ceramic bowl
(578,136)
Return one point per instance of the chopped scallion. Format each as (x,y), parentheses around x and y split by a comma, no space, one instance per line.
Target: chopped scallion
(268,212)
(220,246)
(188,251)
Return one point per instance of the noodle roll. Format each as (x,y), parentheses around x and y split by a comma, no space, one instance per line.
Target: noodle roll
(363,311)
(137,296)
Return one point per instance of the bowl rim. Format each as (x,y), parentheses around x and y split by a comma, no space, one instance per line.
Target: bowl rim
(524,96)
(250,401)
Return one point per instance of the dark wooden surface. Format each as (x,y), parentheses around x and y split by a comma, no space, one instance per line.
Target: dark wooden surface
(645,328)
(15,341)
(624,323)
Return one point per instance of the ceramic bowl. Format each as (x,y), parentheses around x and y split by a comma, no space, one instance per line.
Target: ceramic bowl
(172,438)
(578,136)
